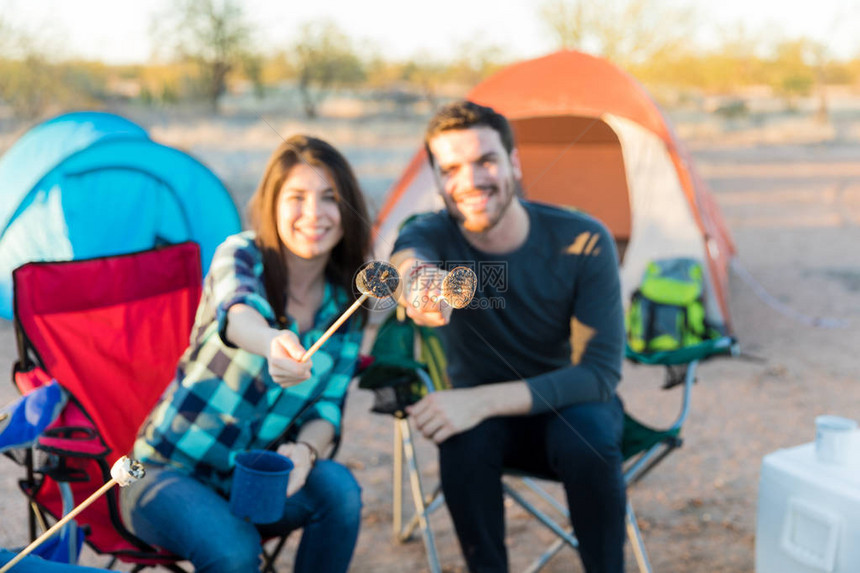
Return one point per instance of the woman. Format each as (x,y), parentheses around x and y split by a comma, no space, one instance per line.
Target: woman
(270,293)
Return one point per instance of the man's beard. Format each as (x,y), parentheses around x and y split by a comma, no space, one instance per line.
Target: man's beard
(513,191)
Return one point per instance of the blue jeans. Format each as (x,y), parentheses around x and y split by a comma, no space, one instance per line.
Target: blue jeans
(580,446)
(172,510)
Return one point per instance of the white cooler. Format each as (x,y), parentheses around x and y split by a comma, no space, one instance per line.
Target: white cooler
(808,513)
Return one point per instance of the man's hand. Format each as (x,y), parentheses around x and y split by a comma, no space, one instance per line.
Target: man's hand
(300,455)
(285,351)
(422,296)
(445,413)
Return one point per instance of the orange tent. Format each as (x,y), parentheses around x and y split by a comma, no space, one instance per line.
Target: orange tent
(591,138)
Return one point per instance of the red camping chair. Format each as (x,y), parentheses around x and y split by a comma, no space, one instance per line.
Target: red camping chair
(110,331)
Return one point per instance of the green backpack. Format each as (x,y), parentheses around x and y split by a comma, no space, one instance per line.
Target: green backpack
(667,312)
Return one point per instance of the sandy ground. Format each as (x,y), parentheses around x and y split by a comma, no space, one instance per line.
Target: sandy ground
(794,209)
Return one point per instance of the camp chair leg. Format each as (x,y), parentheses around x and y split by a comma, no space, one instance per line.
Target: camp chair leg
(397,521)
(69,505)
(636,542)
(530,483)
(432,502)
(550,552)
(418,496)
(567,537)
(36,515)
(633,532)
(648,461)
(270,556)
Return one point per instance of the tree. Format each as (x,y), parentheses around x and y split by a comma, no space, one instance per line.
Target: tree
(28,83)
(5,34)
(793,75)
(324,60)
(475,62)
(627,32)
(567,22)
(734,62)
(426,74)
(820,62)
(214,34)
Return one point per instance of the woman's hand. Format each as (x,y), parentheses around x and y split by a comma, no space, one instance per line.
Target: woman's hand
(302,458)
(247,329)
(285,351)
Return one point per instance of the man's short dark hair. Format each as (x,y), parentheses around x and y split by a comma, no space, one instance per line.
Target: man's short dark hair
(463,115)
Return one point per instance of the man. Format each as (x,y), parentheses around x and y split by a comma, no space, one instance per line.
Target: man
(524,397)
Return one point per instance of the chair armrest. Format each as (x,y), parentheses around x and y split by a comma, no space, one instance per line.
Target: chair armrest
(725,345)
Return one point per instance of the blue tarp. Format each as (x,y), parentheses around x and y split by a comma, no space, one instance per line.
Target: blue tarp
(24,420)
(92,184)
(21,424)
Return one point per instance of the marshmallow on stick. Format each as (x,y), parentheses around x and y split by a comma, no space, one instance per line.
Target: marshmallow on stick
(376,279)
(124,472)
(458,287)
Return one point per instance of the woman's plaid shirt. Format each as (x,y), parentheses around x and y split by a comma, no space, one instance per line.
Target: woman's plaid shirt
(223,400)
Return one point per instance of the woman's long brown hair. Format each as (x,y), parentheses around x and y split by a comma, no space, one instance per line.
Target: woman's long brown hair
(352,250)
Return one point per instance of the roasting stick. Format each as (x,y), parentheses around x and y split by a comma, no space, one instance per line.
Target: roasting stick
(123,472)
(332,329)
(377,279)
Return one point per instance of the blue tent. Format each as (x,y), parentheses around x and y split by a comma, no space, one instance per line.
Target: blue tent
(91,184)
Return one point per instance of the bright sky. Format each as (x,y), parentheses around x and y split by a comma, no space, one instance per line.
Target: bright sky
(117,31)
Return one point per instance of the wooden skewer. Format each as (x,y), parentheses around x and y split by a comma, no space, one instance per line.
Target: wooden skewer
(68,517)
(331,329)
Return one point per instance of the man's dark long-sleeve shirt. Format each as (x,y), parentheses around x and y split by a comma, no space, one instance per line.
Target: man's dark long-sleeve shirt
(549,313)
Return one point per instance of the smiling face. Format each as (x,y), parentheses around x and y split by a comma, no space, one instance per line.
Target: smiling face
(308,212)
(477,177)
